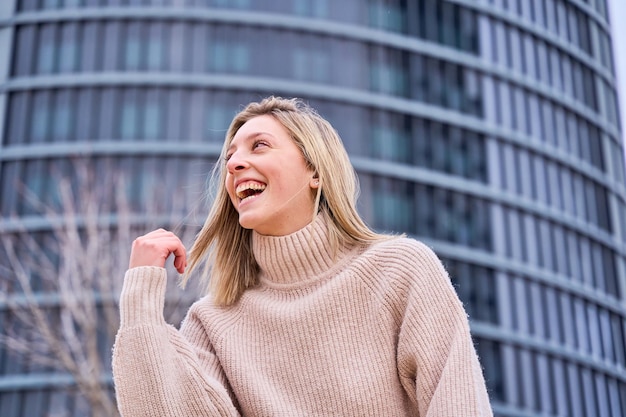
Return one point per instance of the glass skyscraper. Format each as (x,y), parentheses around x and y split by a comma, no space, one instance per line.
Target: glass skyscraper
(487,128)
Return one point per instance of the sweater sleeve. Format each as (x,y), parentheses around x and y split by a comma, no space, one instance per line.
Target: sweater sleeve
(156,370)
(436,356)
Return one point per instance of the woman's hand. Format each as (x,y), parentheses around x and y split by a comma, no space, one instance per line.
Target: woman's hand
(154,248)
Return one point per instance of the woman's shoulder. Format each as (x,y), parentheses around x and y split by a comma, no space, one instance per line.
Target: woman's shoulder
(405,262)
(401,251)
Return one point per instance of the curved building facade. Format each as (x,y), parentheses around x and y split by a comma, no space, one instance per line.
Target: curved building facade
(486,128)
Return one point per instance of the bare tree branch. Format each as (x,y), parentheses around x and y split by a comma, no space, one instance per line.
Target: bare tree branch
(63,284)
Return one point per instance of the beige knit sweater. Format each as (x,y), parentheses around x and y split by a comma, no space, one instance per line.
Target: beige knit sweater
(377,332)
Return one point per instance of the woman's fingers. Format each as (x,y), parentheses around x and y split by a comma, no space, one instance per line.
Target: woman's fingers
(154,248)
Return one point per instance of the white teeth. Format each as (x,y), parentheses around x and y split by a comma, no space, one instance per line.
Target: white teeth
(249,185)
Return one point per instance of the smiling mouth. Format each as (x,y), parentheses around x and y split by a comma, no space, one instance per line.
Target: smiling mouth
(249,189)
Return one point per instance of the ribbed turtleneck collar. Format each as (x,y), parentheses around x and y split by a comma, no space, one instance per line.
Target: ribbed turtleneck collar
(300,256)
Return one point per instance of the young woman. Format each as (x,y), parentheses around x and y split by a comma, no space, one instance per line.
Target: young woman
(309,312)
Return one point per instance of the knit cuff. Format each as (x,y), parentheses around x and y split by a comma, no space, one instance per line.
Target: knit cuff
(143,296)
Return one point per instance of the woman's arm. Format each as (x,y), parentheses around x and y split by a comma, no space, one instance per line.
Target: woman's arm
(155,369)
(436,355)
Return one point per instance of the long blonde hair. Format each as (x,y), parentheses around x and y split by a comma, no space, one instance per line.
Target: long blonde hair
(226,247)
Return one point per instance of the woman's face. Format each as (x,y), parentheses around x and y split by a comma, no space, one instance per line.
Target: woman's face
(267,179)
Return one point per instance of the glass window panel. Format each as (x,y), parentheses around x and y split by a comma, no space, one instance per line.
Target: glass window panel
(130,115)
(525,174)
(568,75)
(431,20)
(543,62)
(586,261)
(554,190)
(390,137)
(540,179)
(23,55)
(594,331)
(46,49)
(538,306)
(85,111)
(579,195)
(529,228)
(576,392)
(64,116)
(545,383)
(199,40)
(220,110)
(175,105)
(598,267)
(582,327)
(500,36)
(317,8)
(155,47)
(562,265)
(476,155)
(491,356)
(547,246)
(573,256)
(34,403)
(40,128)
(486,39)
(511,378)
(153,116)
(18,120)
(50,4)
(577,78)
(352,55)
(178,47)
(529,56)
(112,47)
(592,213)
(529,380)
(68,48)
(227,53)
(468,37)
(110,103)
(521,301)
(393,205)
(10,184)
(388,74)
(311,64)
(560,387)
(91,46)
(505,105)
(536,130)
(610,274)
(602,398)
(490,99)
(133,46)
(619,339)
(605,332)
(569,329)
(425,212)
(614,398)
(30,201)
(561,15)
(389,15)
(515,47)
(547,122)
(589,393)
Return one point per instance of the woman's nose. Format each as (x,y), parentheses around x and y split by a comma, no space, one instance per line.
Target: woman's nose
(236,162)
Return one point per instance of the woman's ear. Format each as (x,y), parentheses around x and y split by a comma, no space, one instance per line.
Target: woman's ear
(315,182)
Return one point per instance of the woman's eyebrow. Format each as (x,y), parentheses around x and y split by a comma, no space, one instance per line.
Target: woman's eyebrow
(250,137)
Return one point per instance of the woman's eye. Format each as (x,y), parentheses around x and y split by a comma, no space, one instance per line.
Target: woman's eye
(259,143)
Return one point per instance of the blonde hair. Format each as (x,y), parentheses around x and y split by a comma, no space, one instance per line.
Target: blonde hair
(226,247)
